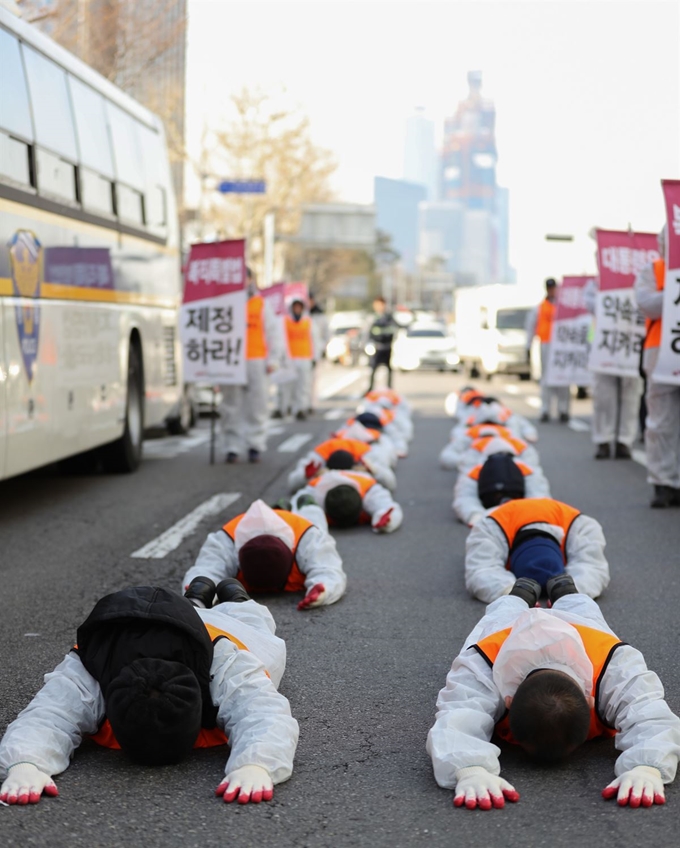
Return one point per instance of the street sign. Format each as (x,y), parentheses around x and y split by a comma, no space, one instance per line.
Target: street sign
(242,187)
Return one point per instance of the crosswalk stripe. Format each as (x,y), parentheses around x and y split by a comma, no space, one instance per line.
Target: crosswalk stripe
(294,442)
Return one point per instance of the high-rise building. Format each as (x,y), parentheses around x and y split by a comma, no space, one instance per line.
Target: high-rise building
(396,209)
(140,45)
(420,155)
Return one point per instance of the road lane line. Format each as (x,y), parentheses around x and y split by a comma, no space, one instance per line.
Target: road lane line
(339,385)
(639,456)
(174,536)
(276,430)
(578,425)
(334,414)
(172,446)
(294,442)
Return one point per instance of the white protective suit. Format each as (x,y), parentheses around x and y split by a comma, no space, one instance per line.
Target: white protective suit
(252,713)
(296,394)
(630,698)
(372,461)
(376,502)
(402,416)
(463,437)
(662,428)
(317,556)
(562,394)
(467,505)
(243,411)
(497,413)
(383,445)
(486,554)
(452,458)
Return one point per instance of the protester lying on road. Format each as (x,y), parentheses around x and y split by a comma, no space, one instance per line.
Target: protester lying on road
(275,550)
(547,680)
(381,444)
(388,414)
(156,676)
(492,411)
(501,478)
(342,455)
(536,538)
(481,449)
(463,438)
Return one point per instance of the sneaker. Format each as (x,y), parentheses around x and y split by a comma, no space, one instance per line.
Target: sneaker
(603,451)
(253,455)
(663,496)
(307,500)
(527,589)
(564,417)
(545,417)
(283,503)
(301,416)
(231,590)
(622,451)
(231,458)
(559,586)
(201,592)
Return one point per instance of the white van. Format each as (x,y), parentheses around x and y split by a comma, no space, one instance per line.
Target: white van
(491,330)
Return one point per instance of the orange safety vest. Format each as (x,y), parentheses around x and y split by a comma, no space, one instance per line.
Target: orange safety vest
(340,434)
(364,484)
(299,335)
(256,342)
(653,325)
(476,471)
(600,647)
(299,526)
(471,397)
(544,321)
(354,446)
(511,517)
(476,431)
(390,394)
(504,414)
(208,737)
(481,443)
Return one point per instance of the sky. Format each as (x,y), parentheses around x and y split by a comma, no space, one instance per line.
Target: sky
(587,98)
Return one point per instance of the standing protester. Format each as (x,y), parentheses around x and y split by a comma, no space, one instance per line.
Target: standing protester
(321,335)
(243,411)
(541,324)
(296,395)
(381,335)
(662,433)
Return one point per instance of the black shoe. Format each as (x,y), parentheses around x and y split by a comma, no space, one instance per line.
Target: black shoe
(231,458)
(663,496)
(231,590)
(622,451)
(283,503)
(603,451)
(564,417)
(253,455)
(557,587)
(527,589)
(305,500)
(201,589)
(301,416)
(277,414)
(545,417)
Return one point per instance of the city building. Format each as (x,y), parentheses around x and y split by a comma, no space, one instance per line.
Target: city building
(396,207)
(420,155)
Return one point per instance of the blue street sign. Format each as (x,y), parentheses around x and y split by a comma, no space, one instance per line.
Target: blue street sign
(242,187)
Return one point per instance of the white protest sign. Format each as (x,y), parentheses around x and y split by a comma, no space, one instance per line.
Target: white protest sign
(570,340)
(667,368)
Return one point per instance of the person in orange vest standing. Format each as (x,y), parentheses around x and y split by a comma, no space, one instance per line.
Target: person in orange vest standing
(296,396)
(662,430)
(274,550)
(537,538)
(243,411)
(547,680)
(541,325)
(156,674)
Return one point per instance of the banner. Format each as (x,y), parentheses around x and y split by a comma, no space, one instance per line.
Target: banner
(667,368)
(570,342)
(213,314)
(296,291)
(619,325)
(276,296)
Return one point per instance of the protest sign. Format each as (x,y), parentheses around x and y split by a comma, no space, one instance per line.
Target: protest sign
(667,368)
(213,314)
(275,296)
(569,344)
(619,326)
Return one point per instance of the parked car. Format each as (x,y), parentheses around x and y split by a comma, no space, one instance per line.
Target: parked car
(344,346)
(427,345)
(203,398)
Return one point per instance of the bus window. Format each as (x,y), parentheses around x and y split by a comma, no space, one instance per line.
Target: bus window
(15,160)
(155,171)
(51,105)
(129,205)
(15,114)
(96,193)
(56,176)
(126,148)
(93,132)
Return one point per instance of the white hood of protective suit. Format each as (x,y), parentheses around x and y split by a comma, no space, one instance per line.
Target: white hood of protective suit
(261,520)
(330,479)
(498,445)
(356,430)
(541,640)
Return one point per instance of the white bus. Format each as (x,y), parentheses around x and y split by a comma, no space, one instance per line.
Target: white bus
(90,277)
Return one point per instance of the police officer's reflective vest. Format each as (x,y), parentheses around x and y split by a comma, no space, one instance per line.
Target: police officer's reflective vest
(653,334)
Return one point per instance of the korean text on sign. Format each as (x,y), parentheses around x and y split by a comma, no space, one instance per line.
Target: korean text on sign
(667,368)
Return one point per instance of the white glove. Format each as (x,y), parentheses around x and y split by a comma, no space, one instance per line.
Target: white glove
(477,787)
(25,784)
(641,786)
(250,783)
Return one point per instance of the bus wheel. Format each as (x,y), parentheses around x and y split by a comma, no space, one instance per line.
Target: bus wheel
(125,454)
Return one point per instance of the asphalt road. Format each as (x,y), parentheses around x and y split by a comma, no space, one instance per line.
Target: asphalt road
(362,676)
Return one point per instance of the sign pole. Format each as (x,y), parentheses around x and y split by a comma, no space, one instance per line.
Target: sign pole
(213,413)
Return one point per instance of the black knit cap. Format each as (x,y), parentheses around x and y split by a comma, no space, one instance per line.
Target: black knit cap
(265,563)
(154,707)
(340,460)
(500,479)
(343,506)
(369,420)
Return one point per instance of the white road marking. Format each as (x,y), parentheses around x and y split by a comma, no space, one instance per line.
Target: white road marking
(511,389)
(339,384)
(639,456)
(294,442)
(334,414)
(275,430)
(578,425)
(31,634)
(172,446)
(533,402)
(174,536)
